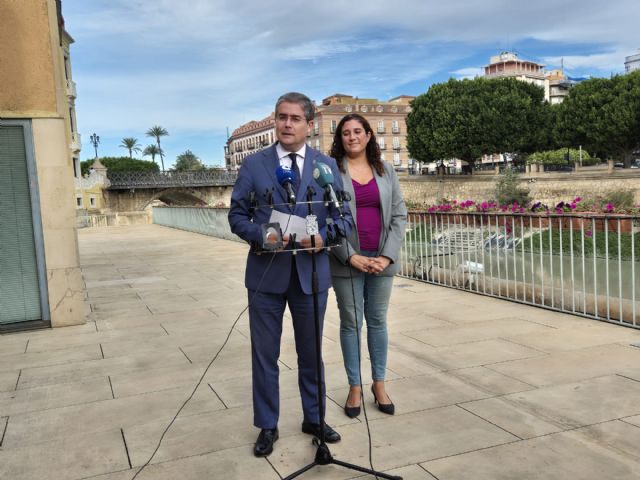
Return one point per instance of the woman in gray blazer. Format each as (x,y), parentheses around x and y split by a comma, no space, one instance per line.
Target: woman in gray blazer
(362,268)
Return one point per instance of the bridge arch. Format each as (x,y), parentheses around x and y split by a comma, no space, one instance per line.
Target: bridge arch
(177,197)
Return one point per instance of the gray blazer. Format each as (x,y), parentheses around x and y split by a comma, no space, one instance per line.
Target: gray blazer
(394,219)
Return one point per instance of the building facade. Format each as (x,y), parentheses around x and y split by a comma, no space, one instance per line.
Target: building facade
(40,278)
(387,118)
(509,65)
(247,139)
(632,62)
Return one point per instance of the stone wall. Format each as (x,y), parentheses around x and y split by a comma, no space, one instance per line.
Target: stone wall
(547,187)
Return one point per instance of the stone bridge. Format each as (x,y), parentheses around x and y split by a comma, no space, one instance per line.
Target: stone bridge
(135,191)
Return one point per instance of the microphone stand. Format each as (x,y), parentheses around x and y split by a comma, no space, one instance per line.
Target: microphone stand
(323,455)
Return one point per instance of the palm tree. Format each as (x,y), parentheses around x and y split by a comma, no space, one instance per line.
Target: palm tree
(131,144)
(157,131)
(152,150)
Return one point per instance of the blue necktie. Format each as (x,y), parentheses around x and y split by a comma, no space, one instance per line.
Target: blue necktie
(295,170)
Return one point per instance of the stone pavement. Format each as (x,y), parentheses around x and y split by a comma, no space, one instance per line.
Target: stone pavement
(484,388)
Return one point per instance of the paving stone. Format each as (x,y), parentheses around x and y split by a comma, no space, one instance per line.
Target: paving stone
(54,396)
(554,457)
(476,331)
(489,380)
(66,458)
(232,464)
(57,357)
(398,441)
(583,403)
(98,417)
(8,380)
(75,372)
(199,434)
(566,367)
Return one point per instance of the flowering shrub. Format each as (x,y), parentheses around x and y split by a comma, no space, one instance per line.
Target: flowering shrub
(576,205)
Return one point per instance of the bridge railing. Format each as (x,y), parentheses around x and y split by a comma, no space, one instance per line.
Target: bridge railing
(204,178)
(584,264)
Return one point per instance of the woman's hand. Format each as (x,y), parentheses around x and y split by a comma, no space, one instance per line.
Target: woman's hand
(378,264)
(360,262)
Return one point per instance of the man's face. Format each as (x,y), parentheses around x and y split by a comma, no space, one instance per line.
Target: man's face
(291,126)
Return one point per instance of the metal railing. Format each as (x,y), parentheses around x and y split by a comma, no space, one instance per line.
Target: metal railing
(203,178)
(580,264)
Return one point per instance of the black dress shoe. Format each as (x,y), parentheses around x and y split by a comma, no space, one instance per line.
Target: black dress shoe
(388,408)
(264,444)
(351,412)
(330,435)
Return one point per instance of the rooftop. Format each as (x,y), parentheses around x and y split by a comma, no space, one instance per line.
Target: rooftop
(484,388)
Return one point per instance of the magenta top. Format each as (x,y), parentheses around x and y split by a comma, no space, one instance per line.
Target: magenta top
(368,216)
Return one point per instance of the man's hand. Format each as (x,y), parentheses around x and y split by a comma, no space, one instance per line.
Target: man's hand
(306,243)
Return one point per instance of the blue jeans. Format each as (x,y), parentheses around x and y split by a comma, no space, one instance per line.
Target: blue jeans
(372,293)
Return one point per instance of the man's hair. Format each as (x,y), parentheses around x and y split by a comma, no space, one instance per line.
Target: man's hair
(300,99)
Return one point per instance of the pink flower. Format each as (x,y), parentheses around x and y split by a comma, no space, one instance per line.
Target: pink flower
(609,207)
(589,233)
(577,199)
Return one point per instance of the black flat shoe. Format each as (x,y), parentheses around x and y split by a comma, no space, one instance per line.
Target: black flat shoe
(351,412)
(265,441)
(330,435)
(388,408)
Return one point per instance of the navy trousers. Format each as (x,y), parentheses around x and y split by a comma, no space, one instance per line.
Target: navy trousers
(266,312)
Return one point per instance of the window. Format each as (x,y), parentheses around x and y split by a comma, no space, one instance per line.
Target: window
(317,144)
(395,127)
(316,128)
(381,143)
(396,159)
(92,201)
(382,157)
(78,201)
(380,126)
(333,126)
(396,143)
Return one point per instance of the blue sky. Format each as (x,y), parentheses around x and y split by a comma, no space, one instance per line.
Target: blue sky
(201,66)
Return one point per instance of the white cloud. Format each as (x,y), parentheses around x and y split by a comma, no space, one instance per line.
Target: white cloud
(203,65)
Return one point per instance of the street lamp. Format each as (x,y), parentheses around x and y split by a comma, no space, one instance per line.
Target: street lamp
(95,140)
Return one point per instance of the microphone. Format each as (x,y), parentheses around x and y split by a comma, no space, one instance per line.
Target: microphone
(287,178)
(324,177)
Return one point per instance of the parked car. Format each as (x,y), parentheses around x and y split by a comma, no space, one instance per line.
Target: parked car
(618,165)
(635,163)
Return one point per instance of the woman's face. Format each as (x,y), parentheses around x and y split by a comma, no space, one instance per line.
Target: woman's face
(354,138)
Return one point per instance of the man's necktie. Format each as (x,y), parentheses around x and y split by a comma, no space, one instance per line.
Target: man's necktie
(295,170)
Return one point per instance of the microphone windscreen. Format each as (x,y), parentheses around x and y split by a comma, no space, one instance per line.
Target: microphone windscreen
(285,175)
(322,174)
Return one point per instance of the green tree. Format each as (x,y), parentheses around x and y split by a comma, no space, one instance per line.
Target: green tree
(508,189)
(603,115)
(188,161)
(121,164)
(131,144)
(466,119)
(157,131)
(152,151)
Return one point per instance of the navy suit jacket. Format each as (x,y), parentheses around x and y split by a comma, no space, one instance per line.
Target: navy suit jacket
(258,174)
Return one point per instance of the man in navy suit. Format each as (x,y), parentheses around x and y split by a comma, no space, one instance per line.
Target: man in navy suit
(274,280)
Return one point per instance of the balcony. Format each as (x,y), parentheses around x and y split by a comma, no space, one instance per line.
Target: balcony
(380,129)
(396,147)
(395,130)
(76,143)
(71,89)
(383,146)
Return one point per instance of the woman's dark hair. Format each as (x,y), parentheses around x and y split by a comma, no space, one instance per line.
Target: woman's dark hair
(372,151)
